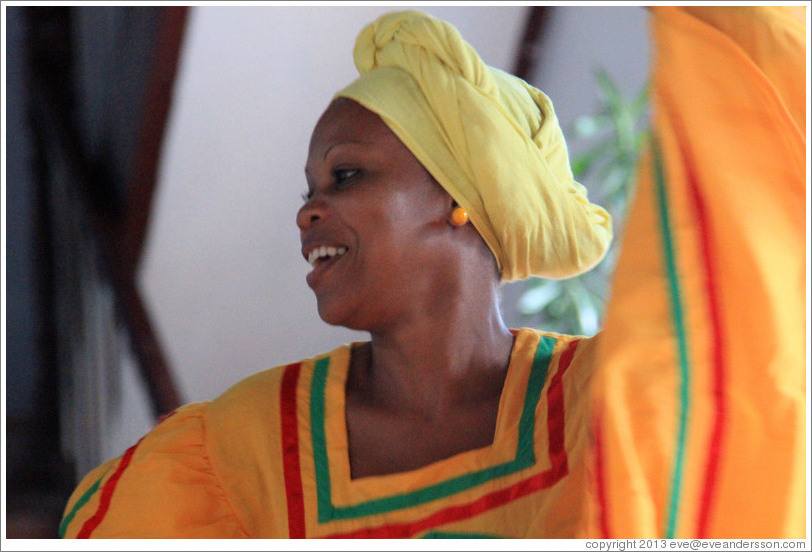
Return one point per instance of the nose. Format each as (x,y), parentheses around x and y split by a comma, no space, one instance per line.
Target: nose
(311,212)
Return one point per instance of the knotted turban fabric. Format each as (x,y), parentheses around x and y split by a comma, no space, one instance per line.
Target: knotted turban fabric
(489,138)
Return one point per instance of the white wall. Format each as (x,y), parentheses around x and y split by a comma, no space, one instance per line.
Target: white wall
(222,273)
(581,39)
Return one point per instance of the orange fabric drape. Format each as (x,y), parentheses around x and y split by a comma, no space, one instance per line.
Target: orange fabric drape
(700,390)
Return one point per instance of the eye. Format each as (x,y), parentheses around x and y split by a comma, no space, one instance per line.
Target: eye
(342,176)
(341,179)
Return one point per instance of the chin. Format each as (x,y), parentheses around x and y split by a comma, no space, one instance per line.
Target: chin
(337,315)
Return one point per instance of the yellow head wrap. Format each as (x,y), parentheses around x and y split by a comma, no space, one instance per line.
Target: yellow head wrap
(489,138)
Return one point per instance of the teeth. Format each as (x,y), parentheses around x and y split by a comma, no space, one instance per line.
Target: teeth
(324,252)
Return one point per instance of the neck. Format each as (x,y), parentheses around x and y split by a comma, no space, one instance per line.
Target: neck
(455,356)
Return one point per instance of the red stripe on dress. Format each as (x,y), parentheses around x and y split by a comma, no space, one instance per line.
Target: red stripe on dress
(555,409)
(109,488)
(290,452)
(559,469)
(600,483)
(718,361)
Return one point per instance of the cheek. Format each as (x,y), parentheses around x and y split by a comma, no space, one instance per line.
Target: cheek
(388,216)
(415,207)
(395,222)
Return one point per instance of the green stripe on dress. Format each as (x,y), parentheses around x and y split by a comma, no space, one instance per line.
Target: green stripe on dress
(525,456)
(682,342)
(79,503)
(447,535)
(319,441)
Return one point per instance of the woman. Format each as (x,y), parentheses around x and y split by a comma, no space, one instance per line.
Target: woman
(432,178)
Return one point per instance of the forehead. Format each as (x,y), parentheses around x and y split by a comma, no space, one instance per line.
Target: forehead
(346,121)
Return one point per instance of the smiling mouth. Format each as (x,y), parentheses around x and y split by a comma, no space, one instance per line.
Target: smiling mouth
(323,254)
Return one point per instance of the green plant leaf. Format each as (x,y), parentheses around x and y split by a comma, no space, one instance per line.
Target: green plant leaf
(586,161)
(588,312)
(589,125)
(536,299)
(608,93)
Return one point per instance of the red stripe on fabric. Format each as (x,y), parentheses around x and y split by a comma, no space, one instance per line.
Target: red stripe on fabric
(559,469)
(555,409)
(290,452)
(603,505)
(109,488)
(718,361)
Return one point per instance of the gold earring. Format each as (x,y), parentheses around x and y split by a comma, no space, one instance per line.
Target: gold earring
(459,216)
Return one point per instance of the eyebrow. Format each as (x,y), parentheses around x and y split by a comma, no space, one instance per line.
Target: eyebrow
(337,144)
(343,143)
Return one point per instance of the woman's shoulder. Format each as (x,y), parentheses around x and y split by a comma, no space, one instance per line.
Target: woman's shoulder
(258,395)
(200,472)
(163,487)
(578,353)
(559,342)
(245,439)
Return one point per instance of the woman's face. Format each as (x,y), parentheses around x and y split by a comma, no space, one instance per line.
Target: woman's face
(374,225)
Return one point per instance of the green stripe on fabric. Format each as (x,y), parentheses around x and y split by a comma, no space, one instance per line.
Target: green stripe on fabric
(525,456)
(444,535)
(79,503)
(319,441)
(682,341)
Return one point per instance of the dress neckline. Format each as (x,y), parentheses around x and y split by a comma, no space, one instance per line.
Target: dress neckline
(515,419)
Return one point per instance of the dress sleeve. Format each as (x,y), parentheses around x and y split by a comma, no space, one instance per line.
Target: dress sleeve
(700,389)
(161,487)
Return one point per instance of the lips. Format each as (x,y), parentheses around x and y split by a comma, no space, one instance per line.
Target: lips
(321,257)
(324,253)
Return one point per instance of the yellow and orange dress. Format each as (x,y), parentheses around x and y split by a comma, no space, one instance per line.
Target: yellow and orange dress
(685,418)
(268,459)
